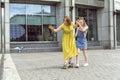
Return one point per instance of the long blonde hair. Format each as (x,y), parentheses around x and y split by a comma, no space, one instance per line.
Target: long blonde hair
(84,23)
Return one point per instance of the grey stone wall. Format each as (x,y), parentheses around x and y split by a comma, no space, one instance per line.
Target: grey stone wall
(105,25)
(96,3)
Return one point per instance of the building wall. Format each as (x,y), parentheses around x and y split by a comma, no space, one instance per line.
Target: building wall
(5,29)
(60,12)
(105,19)
(103,25)
(97,3)
(106,25)
(117,4)
(0,27)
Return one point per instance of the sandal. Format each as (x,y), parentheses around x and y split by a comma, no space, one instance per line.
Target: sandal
(71,65)
(65,66)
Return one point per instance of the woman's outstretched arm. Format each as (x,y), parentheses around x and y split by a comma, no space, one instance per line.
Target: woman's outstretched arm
(55,30)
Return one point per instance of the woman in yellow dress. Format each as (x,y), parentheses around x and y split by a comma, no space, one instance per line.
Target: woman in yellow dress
(68,40)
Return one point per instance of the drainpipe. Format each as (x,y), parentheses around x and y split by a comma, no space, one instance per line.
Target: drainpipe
(66,5)
(72,8)
(110,24)
(114,25)
(2,28)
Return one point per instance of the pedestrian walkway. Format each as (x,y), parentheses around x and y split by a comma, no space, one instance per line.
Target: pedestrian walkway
(1,67)
(103,65)
(10,72)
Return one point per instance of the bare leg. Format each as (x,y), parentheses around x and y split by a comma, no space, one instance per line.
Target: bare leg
(85,57)
(70,64)
(65,66)
(77,58)
(66,62)
(70,60)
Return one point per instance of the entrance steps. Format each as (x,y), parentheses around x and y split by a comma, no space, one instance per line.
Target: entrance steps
(28,47)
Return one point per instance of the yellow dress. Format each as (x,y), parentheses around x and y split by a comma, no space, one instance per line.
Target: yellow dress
(68,42)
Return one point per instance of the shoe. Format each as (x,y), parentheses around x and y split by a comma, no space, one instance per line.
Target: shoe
(86,64)
(77,66)
(65,66)
(71,65)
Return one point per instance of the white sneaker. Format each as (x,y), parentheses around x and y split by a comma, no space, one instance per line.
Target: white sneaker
(77,66)
(86,64)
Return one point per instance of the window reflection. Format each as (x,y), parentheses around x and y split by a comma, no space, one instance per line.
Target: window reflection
(17,22)
(47,34)
(17,9)
(17,32)
(46,9)
(33,9)
(30,24)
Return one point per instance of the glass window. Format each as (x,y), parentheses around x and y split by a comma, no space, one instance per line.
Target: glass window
(82,12)
(92,13)
(34,27)
(118,26)
(31,9)
(16,9)
(47,34)
(17,22)
(30,24)
(49,20)
(91,19)
(34,20)
(46,9)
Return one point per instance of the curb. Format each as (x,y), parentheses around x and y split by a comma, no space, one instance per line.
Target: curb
(9,70)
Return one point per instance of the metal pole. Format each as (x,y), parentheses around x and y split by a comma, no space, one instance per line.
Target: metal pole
(2,28)
(42,23)
(114,27)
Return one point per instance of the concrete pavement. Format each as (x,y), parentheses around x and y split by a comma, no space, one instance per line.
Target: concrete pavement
(103,65)
(1,66)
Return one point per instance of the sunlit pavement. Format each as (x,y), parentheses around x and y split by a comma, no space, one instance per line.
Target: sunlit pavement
(103,65)
(1,66)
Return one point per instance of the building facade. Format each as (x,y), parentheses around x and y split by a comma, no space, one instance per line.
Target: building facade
(25,23)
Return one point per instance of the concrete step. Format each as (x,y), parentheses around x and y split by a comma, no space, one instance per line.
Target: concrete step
(95,47)
(118,47)
(45,46)
(93,43)
(34,44)
(30,50)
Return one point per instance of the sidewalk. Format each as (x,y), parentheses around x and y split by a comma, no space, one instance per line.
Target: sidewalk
(103,65)
(1,66)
